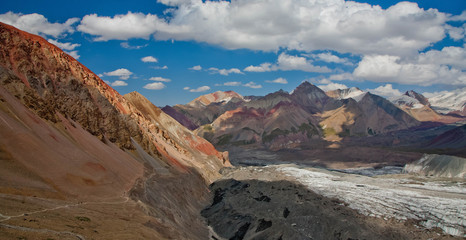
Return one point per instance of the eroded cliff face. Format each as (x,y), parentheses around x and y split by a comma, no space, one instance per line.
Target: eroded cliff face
(65,134)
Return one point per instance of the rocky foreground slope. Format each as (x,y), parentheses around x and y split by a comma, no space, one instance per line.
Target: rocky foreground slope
(73,149)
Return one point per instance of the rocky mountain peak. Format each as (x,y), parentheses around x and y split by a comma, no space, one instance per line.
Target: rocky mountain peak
(310,96)
(449,101)
(423,100)
(353,92)
(215,97)
(280,92)
(307,87)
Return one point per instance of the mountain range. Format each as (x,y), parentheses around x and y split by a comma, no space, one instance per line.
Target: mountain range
(280,120)
(284,120)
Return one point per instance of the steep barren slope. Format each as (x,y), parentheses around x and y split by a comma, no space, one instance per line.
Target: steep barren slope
(380,115)
(65,134)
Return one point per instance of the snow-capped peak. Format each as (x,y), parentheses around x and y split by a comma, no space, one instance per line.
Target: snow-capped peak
(353,92)
(407,101)
(445,101)
(216,97)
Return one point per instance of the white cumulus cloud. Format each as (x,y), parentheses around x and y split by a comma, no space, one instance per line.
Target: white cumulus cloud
(263,67)
(121,27)
(225,72)
(343,26)
(74,54)
(287,62)
(122,73)
(149,59)
(332,86)
(232,84)
(160,67)
(67,47)
(270,25)
(450,56)
(128,46)
(199,89)
(64,46)
(342,77)
(155,86)
(456,33)
(459,18)
(278,80)
(252,85)
(196,68)
(386,91)
(38,24)
(160,79)
(330,58)
(433,67)
(119,83)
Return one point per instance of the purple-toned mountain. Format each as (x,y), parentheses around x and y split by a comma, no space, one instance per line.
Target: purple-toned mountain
(282,120)
(454,138)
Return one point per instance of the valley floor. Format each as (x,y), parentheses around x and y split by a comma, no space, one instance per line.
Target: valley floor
(387,206)
(28,217)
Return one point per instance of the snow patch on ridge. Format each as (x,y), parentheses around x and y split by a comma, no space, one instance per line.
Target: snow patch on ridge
(408,101)
(445,102)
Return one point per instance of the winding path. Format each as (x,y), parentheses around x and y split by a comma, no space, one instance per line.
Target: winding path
(44,230)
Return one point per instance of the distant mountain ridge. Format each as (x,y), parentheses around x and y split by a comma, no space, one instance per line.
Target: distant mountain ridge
(205,109)
(419,107)
(450,102)
(283,120)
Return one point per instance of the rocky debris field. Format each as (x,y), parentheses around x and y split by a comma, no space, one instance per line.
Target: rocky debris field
(288,202)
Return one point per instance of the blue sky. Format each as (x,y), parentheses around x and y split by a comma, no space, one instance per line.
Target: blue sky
(172,51)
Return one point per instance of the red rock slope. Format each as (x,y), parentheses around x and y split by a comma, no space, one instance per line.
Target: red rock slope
(64,130)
